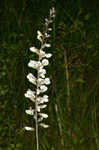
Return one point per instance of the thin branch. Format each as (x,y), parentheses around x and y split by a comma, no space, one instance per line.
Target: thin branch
(60,127)
(67,78)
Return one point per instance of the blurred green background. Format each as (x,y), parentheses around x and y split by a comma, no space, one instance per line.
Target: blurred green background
(73,106)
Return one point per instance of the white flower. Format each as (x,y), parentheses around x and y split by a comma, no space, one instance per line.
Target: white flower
(42,75)
(43,115)
(38,91)
(40,119)
(43,81)
(45,98)
(43,54)
(47,81)
(29,111)
(44,125)
(45,44)
(48,55)
(43,88)
(41,72)
(30,94)
(29,129)
(34,64)
(39,33)
(42,100)
(52,12)
(40,107)
(31,78)
(47,35)
(35,50)
(39,36)
(46,20)
(45,62)
(40,81)
(50,29)
(48,45)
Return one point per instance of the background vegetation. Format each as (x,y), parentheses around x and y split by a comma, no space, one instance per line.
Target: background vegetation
(74,71)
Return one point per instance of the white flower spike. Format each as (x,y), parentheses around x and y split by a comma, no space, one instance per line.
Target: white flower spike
(40,82)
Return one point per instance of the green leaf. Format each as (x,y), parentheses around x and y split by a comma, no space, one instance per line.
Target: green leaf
(81,140)
(75,141)
(80,80)
(18,145)
(12,145)
(87,16)
(9,148)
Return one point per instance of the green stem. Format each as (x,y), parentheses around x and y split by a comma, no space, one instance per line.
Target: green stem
(36,115)
(60,127)
(67,78)
(37,133)
(36,121)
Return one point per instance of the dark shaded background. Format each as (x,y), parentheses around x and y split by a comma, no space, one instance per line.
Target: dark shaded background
(74,125)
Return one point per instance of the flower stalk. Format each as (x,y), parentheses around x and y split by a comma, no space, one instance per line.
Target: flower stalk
(40,81)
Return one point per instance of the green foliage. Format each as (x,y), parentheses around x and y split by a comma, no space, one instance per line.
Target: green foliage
(76,30)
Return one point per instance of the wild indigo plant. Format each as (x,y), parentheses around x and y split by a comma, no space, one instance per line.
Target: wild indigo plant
(40,81)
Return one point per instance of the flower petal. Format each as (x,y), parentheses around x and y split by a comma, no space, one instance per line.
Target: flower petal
(39,36)
(35,50)
(43,88)
(30,94)
(34,64)
(31,78)
(39,33)
(44,125)
(45,62)
(41,107)
(30,112)
(40,119)
(41,72)
(49,29)
(29,129)
(42,100)
(41,81)
(48,45)
(43,115)
(48,55)
(47,81)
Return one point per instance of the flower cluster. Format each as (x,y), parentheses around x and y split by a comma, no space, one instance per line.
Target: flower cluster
(40,81)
